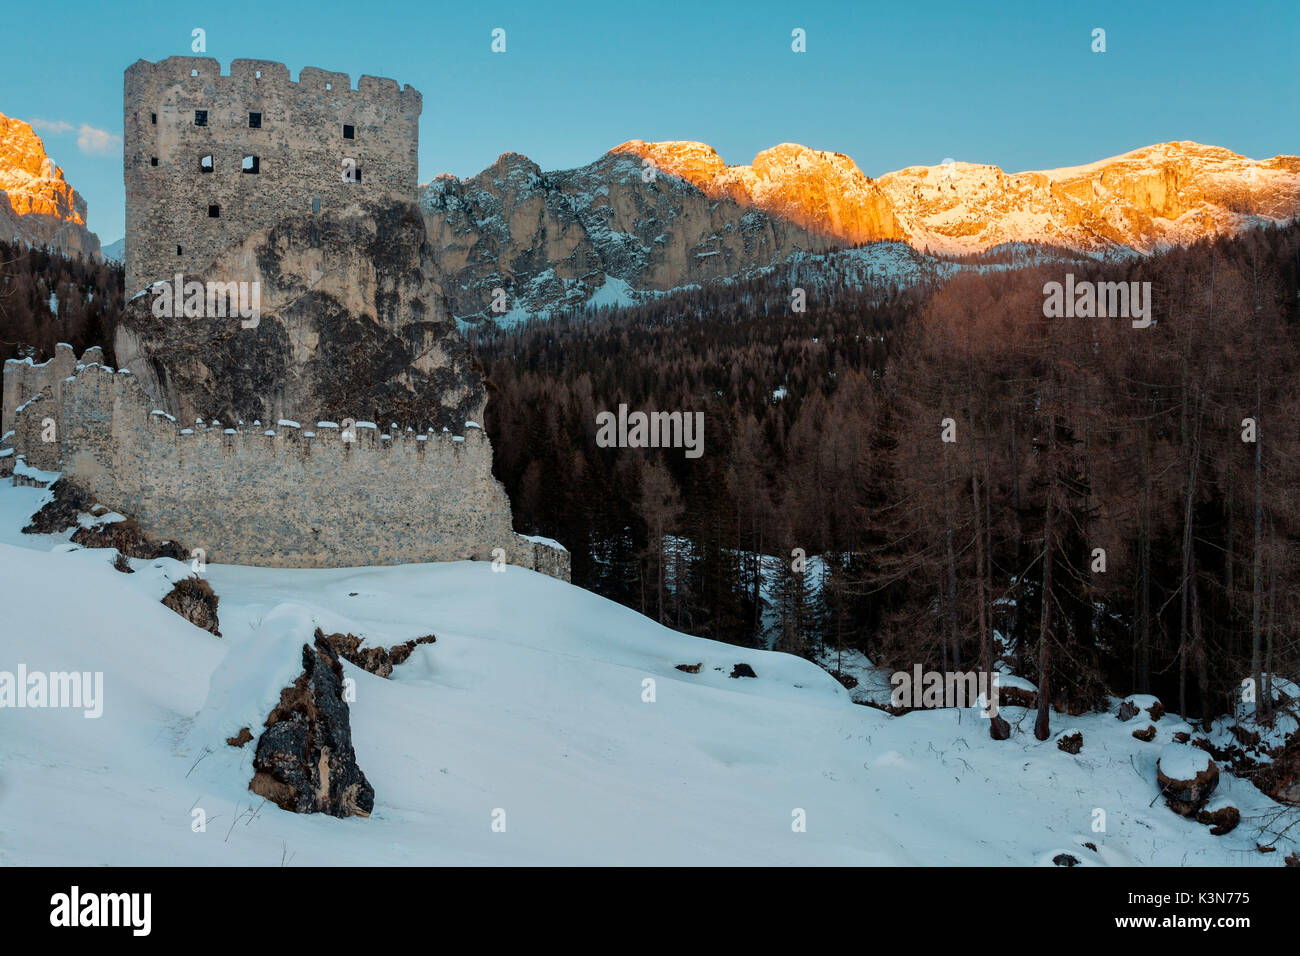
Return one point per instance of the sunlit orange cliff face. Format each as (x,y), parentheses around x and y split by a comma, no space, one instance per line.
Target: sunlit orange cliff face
(37,204)
(822,192)
(1162,194)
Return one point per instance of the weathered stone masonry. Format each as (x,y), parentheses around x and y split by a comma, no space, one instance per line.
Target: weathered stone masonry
(274,495)
(295,132)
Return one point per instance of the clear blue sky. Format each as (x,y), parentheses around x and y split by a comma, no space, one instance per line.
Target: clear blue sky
(891,85)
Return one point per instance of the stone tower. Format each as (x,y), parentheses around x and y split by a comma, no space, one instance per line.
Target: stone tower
(211,158)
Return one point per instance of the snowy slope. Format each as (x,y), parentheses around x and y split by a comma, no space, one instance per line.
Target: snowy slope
(530,701)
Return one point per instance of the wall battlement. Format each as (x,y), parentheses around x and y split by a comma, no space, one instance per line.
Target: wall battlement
(209,158)
(259,77)
(301,496)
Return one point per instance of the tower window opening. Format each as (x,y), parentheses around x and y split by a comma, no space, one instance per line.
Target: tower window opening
(214,211)
(251,165)
(349,131)
(206,165)
(200,117)
(254,120)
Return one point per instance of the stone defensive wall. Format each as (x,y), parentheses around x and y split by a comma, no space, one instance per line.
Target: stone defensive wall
(274,494)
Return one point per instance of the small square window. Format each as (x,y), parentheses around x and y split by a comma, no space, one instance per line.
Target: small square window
(349,132)
(153,118)
(206,165)
(200,117)
(315,205)
(251,164)
(178,250)
(254,120)
(153,160)
(214,211)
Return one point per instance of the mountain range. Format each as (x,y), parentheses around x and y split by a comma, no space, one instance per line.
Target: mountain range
(650,217)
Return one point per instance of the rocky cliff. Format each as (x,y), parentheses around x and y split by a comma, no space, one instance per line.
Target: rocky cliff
(591,234)
(350,325)
(37,204)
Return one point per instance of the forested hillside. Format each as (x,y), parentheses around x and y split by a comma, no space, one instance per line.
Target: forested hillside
(46,298)
(1110,467)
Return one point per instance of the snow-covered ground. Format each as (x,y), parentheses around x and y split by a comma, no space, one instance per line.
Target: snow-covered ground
(533,701)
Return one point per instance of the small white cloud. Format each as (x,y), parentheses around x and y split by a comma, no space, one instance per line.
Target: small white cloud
(97,142)
(52,126)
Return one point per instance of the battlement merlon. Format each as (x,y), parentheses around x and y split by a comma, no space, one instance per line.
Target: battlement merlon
(267,78)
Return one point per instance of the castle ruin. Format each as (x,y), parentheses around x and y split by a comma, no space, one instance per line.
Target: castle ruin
(208,159)
(309,187)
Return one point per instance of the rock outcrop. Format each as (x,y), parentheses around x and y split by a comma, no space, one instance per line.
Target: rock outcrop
(305,761)
(377,660)
(37,204)
(1187,777)
(193,599)
(349,324)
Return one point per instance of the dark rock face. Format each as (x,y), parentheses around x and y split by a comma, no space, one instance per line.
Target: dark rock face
(1065,859)
(350,326)
(743,670)
(60,512)
(127,537)
(305,762)
(70,501)
(376,660)
(193,599)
